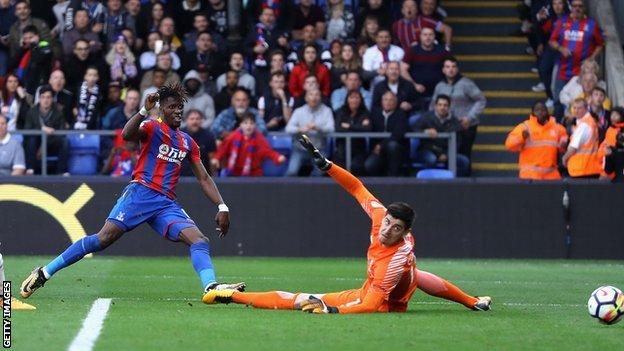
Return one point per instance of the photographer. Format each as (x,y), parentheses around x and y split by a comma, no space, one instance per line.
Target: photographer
(34,60)
(614,158)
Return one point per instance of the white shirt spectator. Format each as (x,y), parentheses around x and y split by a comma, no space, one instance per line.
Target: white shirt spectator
(373,57)
(11,155)
(581,135)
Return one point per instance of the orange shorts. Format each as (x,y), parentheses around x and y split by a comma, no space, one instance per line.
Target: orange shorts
(343,298)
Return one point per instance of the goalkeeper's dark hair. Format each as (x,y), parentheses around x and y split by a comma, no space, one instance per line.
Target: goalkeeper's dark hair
(402,211)
(174,90)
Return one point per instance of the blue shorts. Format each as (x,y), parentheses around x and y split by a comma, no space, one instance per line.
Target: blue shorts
(139,204)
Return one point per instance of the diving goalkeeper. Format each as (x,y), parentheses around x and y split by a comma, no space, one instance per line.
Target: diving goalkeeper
(392,276)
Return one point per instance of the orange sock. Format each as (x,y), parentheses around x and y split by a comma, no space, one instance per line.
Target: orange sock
(436,286)
(279,300)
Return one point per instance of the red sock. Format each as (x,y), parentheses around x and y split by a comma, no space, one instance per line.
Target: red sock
(436,286)
(270,300)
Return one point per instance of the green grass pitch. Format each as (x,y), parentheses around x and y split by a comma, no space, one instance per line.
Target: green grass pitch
(538,305)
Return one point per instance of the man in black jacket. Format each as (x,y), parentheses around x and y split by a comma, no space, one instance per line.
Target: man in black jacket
(440,120)
(34,60)
(388,154)
(405,92)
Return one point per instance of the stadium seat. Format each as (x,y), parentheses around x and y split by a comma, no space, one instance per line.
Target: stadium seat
(17,137)
(283,145)
(270,169)
(83,154)
(432,173)
(280,142)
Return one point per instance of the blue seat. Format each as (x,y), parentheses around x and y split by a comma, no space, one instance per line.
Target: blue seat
(270,169)
(17,137)
(280,142)
(82,164)
(84,143)
(414,144)
(84,150)
(431,173)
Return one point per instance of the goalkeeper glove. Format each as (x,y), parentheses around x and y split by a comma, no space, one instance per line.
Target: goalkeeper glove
(317,158)
(314,305)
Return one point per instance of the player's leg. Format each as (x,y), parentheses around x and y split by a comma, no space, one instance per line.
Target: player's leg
(109,233)
(436,286)
(200,257)
(272,300)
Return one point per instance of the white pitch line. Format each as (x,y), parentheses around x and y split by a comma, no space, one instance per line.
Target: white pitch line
(91,327)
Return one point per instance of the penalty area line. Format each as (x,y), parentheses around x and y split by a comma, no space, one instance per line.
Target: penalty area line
(91,327)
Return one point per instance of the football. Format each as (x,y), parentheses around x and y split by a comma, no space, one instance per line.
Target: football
(606,304)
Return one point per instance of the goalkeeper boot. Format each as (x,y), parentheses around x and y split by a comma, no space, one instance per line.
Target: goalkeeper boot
(218,296)
(483,304)
(225,286)
(317,158)
(35,280)
(19,305)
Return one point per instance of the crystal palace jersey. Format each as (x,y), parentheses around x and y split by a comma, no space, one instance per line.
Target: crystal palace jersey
(581,37)
(162,152)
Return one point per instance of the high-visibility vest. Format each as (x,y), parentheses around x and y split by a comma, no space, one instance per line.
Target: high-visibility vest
(538,153)
(609,140)
(587,161)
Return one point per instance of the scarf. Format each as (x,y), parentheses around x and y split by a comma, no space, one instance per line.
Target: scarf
(237,144)
(261,31)
(86,105)
(23,64)
(122,68)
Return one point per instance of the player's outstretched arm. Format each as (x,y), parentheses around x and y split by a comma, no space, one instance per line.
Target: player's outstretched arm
(131,131)
(346,180)
(210,190)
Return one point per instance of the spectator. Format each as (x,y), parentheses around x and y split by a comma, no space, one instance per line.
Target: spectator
(184,12)
(48,118)
(113,97)
(63,98)
(388,154)
(78,63)
(280,9)
(223,99)
(122,157)
(430,9)
(368,33)
(353,82)
(614,160)
(242,152)
(423,64)
(276,105)
(407,29)
(15,40)
(610,142)
(198,99)
(587,37)
(340,21)
(352,117)
(87,110)
(166,28)
(440,120)
(159,77)
(96,11)
(133,8)
(263,37)
(34,60)
(277,63)
(156,46)
(310,83)
(205,55)
(200,24)
(13,102)
(135,44)
(150,20)
(11,152)
(228,120)
(407,97)
(245,80)
(7,18)
(348,60)
(116,18)
(121,61)
(164,62)
(81,30)
(582,159)
(596,106)
(581,88)
(539,141)
(204,139)
(218,16)
(467,102)
(378,9)
(376,57)
(117,117)
(309,37)
(304,14)
(546,55)
(314,119)
(309,64)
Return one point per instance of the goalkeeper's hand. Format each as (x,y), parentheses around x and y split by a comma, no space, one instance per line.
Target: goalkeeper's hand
(314,305)
(317,158)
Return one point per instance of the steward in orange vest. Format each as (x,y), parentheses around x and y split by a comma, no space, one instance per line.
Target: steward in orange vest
(583,158)
(538,140)
(617,123)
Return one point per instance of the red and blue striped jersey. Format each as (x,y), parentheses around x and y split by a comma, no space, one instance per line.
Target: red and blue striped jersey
(162,151)
(581,37)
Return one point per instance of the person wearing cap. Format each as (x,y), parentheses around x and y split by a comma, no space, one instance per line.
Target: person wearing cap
(121,61)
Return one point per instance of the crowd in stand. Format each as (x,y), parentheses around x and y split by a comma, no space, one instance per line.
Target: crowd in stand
(313,66)
(585,128)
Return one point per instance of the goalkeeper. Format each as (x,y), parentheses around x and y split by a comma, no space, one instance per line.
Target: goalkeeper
(392,276)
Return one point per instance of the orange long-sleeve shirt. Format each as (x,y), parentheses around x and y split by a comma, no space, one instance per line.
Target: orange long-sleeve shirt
(391,271)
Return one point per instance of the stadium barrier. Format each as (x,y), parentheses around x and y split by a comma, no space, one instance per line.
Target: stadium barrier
(293,217)
(451,137)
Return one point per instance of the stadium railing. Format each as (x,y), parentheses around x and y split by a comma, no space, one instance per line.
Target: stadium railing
(451,137)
